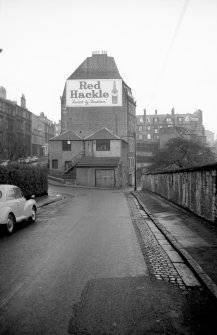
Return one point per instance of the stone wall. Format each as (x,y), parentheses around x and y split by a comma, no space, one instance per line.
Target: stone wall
(193,189)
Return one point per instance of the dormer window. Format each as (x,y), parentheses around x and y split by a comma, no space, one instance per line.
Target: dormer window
(168,119)
(156,119)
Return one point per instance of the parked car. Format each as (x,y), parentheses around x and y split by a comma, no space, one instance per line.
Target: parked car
(14,207)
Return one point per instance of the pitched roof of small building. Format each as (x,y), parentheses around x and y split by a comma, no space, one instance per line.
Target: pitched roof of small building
(99,161)
(99,66)
(68,135)
(103,134)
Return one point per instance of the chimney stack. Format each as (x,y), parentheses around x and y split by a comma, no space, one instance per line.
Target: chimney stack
(173,111)
(2,92)
(155,111)
(23,101)
(144,112)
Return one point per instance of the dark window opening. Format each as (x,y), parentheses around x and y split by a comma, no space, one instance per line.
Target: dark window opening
(54,163)
(102,145)
(66,145)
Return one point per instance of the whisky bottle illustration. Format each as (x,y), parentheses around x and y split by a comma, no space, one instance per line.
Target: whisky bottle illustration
(114,94)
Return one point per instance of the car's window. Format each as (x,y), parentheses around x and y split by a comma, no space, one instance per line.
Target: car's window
(18,193)
(10,194)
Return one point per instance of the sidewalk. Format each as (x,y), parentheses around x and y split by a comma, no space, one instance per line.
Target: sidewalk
(194,238)
(48,199)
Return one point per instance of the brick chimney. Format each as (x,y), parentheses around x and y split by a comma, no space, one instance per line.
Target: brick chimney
(144,112)
(173,111)
(23,101)
(2,92)
(155,112)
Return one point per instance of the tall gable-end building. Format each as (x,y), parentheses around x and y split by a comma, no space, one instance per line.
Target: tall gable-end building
(95,96)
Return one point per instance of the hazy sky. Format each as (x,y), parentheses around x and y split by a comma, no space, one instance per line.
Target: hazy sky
(165,50)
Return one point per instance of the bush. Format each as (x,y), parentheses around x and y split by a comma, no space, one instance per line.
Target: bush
(31,180)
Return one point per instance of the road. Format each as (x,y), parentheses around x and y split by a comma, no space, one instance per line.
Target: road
(80,269)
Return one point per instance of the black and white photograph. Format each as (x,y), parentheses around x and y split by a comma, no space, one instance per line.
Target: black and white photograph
(108,167)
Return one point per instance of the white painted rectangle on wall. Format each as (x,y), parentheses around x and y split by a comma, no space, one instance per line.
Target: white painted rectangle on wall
(94,93)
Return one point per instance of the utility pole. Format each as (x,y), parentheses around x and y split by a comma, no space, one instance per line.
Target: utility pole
(135,166)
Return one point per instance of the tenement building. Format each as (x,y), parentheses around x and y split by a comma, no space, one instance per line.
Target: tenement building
(153,131)
(98,108)
(15,128)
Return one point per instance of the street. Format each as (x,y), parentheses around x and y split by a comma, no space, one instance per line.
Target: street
(80,269)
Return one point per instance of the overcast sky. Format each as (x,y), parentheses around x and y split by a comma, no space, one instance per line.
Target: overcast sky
(165,50)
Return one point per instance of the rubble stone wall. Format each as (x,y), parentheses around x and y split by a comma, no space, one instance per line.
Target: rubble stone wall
(193,189)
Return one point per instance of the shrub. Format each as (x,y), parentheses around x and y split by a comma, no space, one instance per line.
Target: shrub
(31,180)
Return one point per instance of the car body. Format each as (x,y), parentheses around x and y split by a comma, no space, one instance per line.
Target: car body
(14,207)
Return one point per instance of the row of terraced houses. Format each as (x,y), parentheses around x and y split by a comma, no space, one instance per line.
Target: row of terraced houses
(22,133)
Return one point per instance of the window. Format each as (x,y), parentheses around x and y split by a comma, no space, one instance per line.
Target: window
(180,119)
(140,137)
(66,145)
(147,119)
(140,128)
(102,145)
(149,128)
(155,119)
(148,136)
(54,163)
(141,120)
(155,130)
(18,193)
(168,119)
(10,194)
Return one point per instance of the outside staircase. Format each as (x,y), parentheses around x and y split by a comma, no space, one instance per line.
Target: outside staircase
(75,160)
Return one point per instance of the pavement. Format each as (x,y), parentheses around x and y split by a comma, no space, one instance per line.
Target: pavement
(48,199)
(194,238)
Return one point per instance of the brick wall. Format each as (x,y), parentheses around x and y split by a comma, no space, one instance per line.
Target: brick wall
(193,189)
(86,120)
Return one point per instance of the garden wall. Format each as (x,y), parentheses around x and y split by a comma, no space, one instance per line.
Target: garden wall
(193,189)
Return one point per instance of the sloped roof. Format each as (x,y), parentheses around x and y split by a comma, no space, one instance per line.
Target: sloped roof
(68,135)
(99,66)
(103,134)
(99,161)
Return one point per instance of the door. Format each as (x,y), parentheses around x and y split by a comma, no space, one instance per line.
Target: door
(21,201)
(11,202)
(105,178)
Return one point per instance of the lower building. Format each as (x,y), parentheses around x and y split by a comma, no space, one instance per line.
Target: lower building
(98,160)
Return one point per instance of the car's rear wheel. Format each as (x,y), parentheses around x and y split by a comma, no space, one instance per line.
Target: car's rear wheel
(32,218)
(10,224)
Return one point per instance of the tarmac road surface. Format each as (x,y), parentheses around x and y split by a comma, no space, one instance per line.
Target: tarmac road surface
(80,269)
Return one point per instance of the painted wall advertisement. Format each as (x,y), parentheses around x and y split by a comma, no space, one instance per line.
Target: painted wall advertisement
(94,92)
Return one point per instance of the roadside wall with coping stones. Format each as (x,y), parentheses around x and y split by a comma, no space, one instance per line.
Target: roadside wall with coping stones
(193,189)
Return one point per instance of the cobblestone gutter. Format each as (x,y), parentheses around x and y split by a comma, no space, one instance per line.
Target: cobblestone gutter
(163,261)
